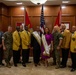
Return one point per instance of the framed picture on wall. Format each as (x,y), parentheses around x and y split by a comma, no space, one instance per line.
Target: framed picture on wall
(67,24)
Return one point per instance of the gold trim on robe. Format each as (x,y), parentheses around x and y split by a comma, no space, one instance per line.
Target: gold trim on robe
(46,46)
(37,37)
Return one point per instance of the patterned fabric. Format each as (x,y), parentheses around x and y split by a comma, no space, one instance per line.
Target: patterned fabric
(66,39)
(42,21)
(8,40)
(56,53)
(73,43)
(7,36)
(57,36)
(49,38)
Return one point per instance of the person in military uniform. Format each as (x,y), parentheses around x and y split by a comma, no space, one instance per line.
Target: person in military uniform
(73,48)
(57,38)
(7,41)
(25,37)
(65,47)
(1,49)
(16,46)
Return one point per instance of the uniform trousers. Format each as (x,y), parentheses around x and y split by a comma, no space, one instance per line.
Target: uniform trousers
(56,57)
(8,54)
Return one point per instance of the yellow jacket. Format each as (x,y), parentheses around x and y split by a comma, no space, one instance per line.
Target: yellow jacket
(73,43)
(66,39)
(16,40)
(25,38)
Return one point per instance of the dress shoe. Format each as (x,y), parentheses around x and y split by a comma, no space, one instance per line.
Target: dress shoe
(28,62)
(7,65)
(62,66)
(57,67)
(53,64)
(2,64)
(72,70)
(39,64)
(15,65)
(70,66)
(24,65)
(35,65)
(19,62)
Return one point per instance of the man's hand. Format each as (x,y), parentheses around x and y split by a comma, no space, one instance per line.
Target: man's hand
(31,47)
(58,48)
(51,49)
(4,48)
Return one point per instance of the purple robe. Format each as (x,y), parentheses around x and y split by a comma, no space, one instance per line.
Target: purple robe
(48,38)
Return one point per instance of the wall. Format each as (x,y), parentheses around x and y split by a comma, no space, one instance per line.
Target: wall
(12,15)
(3,17)
(16,14)
(50,14)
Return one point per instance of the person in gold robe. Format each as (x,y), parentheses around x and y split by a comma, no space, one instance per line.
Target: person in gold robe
(73,48)
(65,45)
(25,38)
(16,46)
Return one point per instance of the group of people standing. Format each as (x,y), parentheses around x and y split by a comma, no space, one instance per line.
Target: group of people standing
(43,45)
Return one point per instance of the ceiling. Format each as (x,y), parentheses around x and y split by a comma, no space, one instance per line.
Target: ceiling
(29,3)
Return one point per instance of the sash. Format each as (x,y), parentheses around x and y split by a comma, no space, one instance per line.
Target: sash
(46,46)
(37,37)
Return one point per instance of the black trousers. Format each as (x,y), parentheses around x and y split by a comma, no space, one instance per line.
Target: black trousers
(16,56)
(36,55)
(1,55)
(25,55)
(65,53)
(73,58)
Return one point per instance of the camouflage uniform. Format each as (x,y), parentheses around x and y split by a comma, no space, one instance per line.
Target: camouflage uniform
(8,40)
(56,53)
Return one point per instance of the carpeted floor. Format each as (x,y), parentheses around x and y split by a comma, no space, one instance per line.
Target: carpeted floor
(30,69)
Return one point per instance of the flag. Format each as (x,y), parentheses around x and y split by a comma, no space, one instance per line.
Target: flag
(42,21)
(58,19)
(27,20)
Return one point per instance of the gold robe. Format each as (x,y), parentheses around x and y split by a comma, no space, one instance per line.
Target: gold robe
(66,39)
(73,43)
(16,40)
(25,38)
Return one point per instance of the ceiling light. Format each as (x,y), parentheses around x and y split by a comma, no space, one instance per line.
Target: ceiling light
(38,1)
(22,8)
(19,3)
(63,7)
(65,1)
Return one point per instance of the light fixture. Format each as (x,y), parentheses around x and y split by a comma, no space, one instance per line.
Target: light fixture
(22,8)
(38,1)
(63,7)
(65,1)
(19,3)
